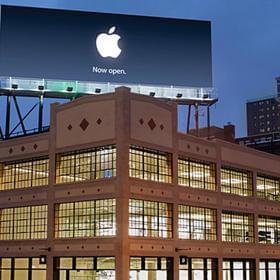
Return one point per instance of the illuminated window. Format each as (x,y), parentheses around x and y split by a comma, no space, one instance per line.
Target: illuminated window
(269,269)
(198,268)
(197,223)
(150,165)
(85,218)
(156,268)
(150,218)
(22,268)
(269,230)
(242,269)
(85,267)
(237,227)
(85,165)
(24,223)
(236,181)
(196,174)
(24,174)
(268,187)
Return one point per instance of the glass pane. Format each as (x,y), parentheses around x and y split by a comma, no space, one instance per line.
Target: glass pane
(65,263)
(84,263)
(21,263)
(105,263)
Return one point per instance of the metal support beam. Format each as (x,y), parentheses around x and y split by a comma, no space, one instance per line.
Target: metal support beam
(196,119)
(19,115)
(189,118)
(208,121)
(8,117)
(1,134)
(40,113)
(27,114)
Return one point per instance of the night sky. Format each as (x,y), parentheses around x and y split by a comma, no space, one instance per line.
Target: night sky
(245,44)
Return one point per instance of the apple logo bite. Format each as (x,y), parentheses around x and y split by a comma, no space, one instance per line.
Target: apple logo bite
(107,44)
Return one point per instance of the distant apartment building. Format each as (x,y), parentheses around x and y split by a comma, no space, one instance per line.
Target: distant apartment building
(263,115)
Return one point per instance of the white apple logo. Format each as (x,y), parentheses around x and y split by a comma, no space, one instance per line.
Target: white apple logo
(107,44)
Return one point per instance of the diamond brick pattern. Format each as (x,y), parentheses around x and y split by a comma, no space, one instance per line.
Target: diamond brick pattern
(84,124)
(99,121)
(69,127)
(35,146)
(161,127)
(152,124)
(141,121)
(22,148)
(11,151)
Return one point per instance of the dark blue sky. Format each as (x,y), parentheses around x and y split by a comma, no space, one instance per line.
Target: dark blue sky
(245,42)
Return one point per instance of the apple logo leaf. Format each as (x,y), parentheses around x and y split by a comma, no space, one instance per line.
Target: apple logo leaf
(112,30)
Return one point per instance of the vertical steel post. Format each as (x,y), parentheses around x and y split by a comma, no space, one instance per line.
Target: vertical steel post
(208,121)
(40,112)
(189,118)
(8,116)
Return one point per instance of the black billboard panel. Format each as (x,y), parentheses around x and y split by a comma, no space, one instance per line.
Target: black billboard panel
(58,44)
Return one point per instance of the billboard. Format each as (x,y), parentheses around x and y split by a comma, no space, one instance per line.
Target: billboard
(73,45)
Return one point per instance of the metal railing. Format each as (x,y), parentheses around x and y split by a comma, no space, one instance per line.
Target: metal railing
(86,88)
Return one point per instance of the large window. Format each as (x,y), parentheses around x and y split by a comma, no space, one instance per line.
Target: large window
(150,165)
(236,181)
(239,270)
(85,218)
(269,230)
(237,227)
(197,223)
(196,174)
(268,187)
(269,270)
(73,268)
(24,222)
(24,174)
(22,269)
(151,268)
(85,165)
(150,218)
(198,269)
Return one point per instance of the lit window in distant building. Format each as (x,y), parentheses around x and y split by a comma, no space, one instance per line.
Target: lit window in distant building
(196,174)
(150,218)
(197,223)
(268,187)
(85,165)
(236,181)
(269,230)
(237,227)
(85,218)
(24,223)
(24,174)
(150,165)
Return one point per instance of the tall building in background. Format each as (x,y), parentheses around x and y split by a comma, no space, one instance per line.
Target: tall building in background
(263,123)
(278,86)
(263,115)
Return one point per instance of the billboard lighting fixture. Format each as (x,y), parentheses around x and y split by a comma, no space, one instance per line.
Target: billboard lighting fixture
(179,95)
(97,90)
(69,89)
(40,87)
(205,96)
(152,93)
(14,86)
